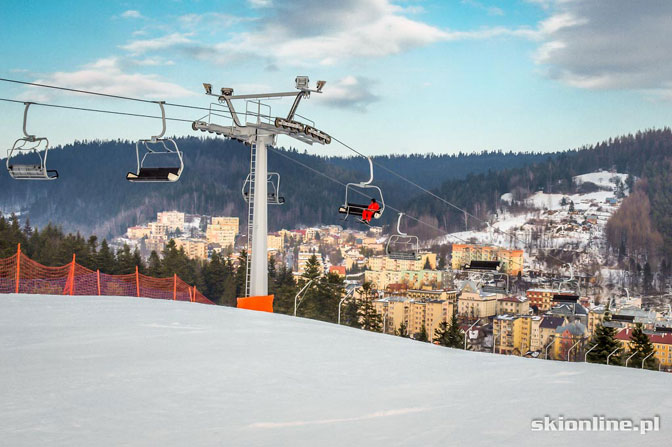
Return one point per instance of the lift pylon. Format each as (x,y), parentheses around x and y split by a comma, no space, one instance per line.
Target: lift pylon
(258,129)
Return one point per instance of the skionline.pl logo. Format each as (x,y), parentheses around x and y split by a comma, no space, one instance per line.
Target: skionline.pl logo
(596,423)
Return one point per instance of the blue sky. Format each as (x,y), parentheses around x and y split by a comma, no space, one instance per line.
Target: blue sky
(402,76)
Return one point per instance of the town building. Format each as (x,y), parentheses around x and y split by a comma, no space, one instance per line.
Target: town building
(514,305)
(193,248)
(222,231)
(173,220)
(511,260)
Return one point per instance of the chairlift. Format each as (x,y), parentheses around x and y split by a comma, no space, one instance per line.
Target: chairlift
(273,189)
(30,144)
(401,246)
(160,149)
(355,209)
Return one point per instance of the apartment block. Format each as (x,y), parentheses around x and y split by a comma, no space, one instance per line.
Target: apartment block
(223,231)
(193,248)
(512,260)
(173,220)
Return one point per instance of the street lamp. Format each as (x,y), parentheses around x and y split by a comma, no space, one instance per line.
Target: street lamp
(570,349)
(628,359)
(612,353)
(548,346)
(585,357)
(652,352)
(341,302)
(300,292)
(465,334)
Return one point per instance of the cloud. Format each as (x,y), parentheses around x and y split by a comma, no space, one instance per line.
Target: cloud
(209,19)
(490,10)
(304,32)
(131,14)
(350,92)
(260,3)
(160,43)
(608,44)
(109,76)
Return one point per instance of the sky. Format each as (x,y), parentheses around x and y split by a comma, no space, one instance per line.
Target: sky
(413,76)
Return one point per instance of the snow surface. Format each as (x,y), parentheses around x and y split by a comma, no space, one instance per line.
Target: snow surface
(127,371)
(605,179)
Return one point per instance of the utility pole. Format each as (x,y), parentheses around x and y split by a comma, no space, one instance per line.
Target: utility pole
(259,129)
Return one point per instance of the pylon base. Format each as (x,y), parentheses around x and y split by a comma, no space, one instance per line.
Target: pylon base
(263,303)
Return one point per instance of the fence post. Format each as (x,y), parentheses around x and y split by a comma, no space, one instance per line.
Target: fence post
(18,266)
(174,286)
(72,276)
(137,281)
(98,280)
(191,294)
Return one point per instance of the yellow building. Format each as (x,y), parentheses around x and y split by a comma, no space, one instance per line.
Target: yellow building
(157,230)
(222,231)
(595,318)
(413,313)
(138,232)
(440,295)
(514,305)
(275,242)
(173,220)
(473,302)
(381,263)
(529,338)
(413,279)
(662,345)
(505,335)
(193,248)
(512,260)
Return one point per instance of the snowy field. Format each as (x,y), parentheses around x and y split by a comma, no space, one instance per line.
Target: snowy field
(84,371)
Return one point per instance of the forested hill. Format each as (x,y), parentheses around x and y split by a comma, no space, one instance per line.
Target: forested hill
(92,195)
(640,155)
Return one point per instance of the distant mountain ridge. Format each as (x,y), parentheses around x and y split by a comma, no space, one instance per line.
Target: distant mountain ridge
(93,197)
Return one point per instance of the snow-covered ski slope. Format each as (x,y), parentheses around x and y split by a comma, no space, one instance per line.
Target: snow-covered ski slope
(124,371)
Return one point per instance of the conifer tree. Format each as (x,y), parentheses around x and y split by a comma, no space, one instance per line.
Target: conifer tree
(605,339)
(641,346)
(450,335)
(402,331)
(422,336)
(369,319)
(105,258)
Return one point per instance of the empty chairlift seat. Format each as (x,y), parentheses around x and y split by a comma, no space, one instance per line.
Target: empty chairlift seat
(401,246)
(32,149)
(161,160)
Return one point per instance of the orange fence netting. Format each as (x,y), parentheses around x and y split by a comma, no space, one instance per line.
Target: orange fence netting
(20,274)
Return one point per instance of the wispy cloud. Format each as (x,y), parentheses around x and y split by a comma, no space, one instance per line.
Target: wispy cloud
(108,75)
(131,14)
(351,92)
(157,44)
(490,10)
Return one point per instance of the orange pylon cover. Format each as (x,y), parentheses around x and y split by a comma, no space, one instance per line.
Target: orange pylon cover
(262,303)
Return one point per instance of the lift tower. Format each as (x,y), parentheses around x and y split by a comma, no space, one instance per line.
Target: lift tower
(259,129)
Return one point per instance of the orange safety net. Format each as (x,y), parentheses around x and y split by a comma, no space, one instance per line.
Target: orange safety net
(20,274)
(262,303)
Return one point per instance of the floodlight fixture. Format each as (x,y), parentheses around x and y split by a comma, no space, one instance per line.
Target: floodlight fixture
(208,88)
(227,91)
(320,84)
(302,83)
